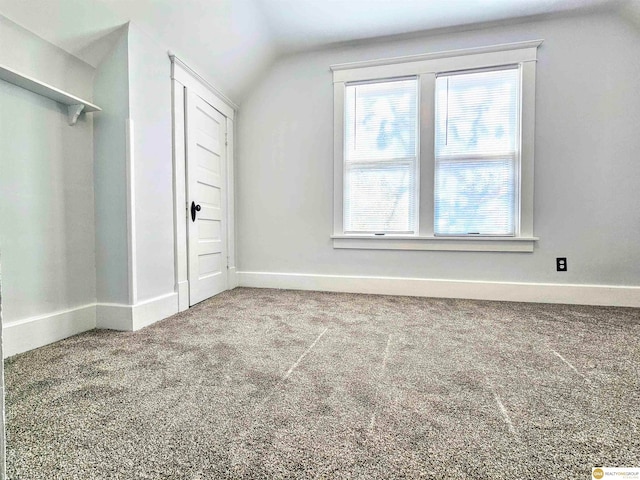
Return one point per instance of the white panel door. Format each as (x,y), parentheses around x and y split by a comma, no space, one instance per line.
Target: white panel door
(206,199)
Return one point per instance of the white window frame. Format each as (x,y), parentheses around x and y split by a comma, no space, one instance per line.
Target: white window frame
(426,67)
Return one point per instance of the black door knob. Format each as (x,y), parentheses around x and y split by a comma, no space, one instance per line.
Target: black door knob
(194,208)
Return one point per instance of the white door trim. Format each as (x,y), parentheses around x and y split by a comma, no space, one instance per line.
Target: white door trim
(189,77)
(183,77)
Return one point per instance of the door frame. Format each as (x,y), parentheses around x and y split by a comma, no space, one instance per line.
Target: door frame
(183,77)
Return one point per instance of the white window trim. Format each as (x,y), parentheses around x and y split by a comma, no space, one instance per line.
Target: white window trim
(426,67)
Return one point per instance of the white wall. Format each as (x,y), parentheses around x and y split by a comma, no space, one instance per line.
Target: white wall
(74,261)
(134,185)
(586,167)
(46,185)
(111,90)
(150,93)
(3,438)
(29,54)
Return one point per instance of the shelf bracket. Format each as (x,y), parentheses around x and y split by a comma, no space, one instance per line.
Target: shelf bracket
(74,112)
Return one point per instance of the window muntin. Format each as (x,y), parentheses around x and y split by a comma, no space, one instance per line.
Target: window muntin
(477,135)
(381,156)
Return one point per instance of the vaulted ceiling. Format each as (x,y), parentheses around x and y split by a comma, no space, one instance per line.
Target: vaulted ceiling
(232,41)
(300,24)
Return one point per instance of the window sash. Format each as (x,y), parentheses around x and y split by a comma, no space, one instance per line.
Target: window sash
(476,180)
(385,113)
(357,204)
(501,225)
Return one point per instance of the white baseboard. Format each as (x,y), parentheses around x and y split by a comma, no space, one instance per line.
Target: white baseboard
(34,332)
(23,335)
(114,316)
(232,278)
(183,295)
(134,317)
(622,296)
(151,311)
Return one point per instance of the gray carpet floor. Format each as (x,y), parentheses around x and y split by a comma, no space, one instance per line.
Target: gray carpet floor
(281,384)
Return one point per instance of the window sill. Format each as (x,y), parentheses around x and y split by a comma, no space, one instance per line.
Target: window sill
(460,244)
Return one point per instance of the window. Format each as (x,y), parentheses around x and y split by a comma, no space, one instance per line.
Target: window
(380,157)
(476,154)
(435,152)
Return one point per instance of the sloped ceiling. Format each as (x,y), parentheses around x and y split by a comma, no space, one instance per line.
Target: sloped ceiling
(302,24)
(631,11)
(231,42)
(227,41)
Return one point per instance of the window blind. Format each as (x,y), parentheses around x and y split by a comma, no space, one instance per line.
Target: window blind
(477,152)
(380,158)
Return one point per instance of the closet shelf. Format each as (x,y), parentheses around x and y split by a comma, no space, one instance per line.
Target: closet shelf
(75,105)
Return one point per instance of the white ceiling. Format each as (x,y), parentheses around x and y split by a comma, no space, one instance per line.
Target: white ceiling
(232,41)
(227,41)
(302,24)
